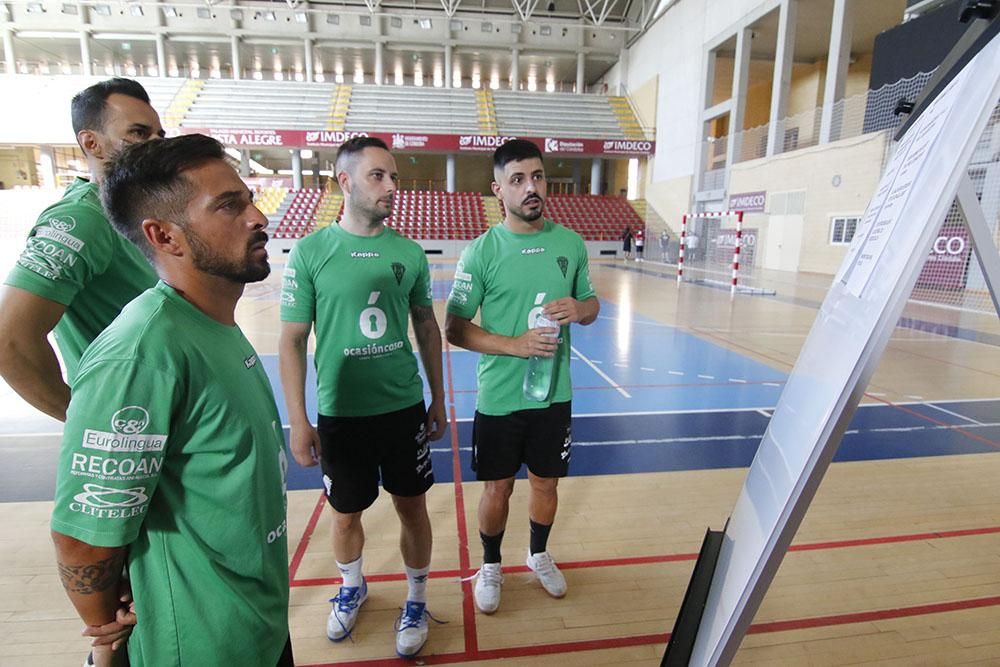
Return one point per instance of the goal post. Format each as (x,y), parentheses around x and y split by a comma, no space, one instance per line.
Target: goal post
(714,251)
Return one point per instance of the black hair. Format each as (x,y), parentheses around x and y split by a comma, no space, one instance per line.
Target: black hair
(88,105)
(145,181)
(515,150)
(354,146)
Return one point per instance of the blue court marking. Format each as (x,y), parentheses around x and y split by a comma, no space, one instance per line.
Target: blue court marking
(604,445)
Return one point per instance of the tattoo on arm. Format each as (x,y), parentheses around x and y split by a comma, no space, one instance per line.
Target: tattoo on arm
(93,577)
(421,314)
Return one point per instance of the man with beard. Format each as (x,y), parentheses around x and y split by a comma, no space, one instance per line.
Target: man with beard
(173,457)
(516,271)
(75,274)
(360,282)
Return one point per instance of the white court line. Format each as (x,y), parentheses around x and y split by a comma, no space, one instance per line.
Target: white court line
(621,365)
(771,384)
(589,361)
(597,370)
(643,368)
(737,380)
(764,413)
(915,398)
(706,377)
(675,373)
(953,414)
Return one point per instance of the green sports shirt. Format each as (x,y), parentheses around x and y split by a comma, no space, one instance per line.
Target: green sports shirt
(359,290)
(74,257)
(508,277)
(173,445)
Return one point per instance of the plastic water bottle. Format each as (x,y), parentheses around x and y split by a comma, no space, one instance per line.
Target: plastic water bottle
(538,376)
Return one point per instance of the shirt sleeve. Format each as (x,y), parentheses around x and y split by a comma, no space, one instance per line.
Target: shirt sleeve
(298,292)
(467,290)
(422,294)
(582,287)
(114,443)
(65,250)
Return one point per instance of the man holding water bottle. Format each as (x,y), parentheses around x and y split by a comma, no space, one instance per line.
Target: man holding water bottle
(529,279)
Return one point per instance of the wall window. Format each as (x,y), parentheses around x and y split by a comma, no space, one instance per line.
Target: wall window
(842,230)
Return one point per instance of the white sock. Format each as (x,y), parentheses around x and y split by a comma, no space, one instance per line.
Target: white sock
(351,572)
(416,581)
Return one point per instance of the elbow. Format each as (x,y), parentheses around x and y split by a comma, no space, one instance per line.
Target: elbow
(452,330)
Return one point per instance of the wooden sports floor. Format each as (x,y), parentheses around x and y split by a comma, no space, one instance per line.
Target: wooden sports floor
(897,561)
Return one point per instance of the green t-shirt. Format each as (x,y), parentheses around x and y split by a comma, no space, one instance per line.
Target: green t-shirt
(359,290)
(510,277)
(173,445)
(75,257)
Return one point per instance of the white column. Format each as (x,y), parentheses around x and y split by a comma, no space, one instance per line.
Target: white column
(47,166)
(297,169)
(161,55)
(308,47)
(577,176)
(737,111)
(379,65)
(515,74)
(244,162)
(8,51)
(85,67)
(450,173)
(447,66)
(782,76)
(622,71)
(579,73)
(596,167)
(234,56)
(838,60)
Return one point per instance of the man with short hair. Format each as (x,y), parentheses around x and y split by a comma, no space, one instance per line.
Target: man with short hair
(173,456)
(524,267)
(361,282)
(75,274)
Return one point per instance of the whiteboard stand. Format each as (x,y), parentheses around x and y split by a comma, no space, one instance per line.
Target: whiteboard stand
(927,171)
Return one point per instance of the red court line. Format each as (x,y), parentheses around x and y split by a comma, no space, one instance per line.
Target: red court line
(468,610)
(645,640)
(300,550)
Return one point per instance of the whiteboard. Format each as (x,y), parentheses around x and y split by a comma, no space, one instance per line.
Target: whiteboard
(843,347)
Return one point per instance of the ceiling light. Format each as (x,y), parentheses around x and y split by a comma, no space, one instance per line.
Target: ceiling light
(204,13)
(270,16)
(515,28)
(135,10)
(486,26)
(425,24)
(454,25)
(306,154)
(396,22)
(170,12)
(102,10)
(35,8)
(236,14)
(301,17)
(69,9)
(545,30)
(333,19)
(365,20)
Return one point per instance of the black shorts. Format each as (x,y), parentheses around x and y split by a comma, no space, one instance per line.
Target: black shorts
(358,451)
(540,438)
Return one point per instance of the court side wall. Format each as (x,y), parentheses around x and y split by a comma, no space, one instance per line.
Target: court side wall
(856,164)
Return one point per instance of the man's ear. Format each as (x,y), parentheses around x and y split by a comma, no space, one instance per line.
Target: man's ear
(344,180)
(495,187)
(90,144)
(163,236)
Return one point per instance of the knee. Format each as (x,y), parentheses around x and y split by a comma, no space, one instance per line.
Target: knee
(345,524)
(410,509)
(499,490)
(545,486)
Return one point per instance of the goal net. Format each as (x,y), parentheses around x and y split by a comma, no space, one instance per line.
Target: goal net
(718,251)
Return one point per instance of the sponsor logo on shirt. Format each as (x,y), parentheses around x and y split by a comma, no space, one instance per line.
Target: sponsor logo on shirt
(563,263)
(531,251)
(462,275)
(277,532)
(364,254)
(287,299)
(64,224)
(105,502)
(127,426)
(112,469)
(288,279)
(45,258)
(250,361)
(60,235)
(373,349)
(399,271)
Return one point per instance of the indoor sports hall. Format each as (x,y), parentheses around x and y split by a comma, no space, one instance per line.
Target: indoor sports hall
(744,140)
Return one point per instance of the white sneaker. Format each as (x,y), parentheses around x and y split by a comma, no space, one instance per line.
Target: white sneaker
(411,629)
(346,605)
(548,573)
(488,582)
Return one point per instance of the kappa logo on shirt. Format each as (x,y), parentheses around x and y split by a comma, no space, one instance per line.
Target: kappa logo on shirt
(532,251)
(365,254)
(250,361)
